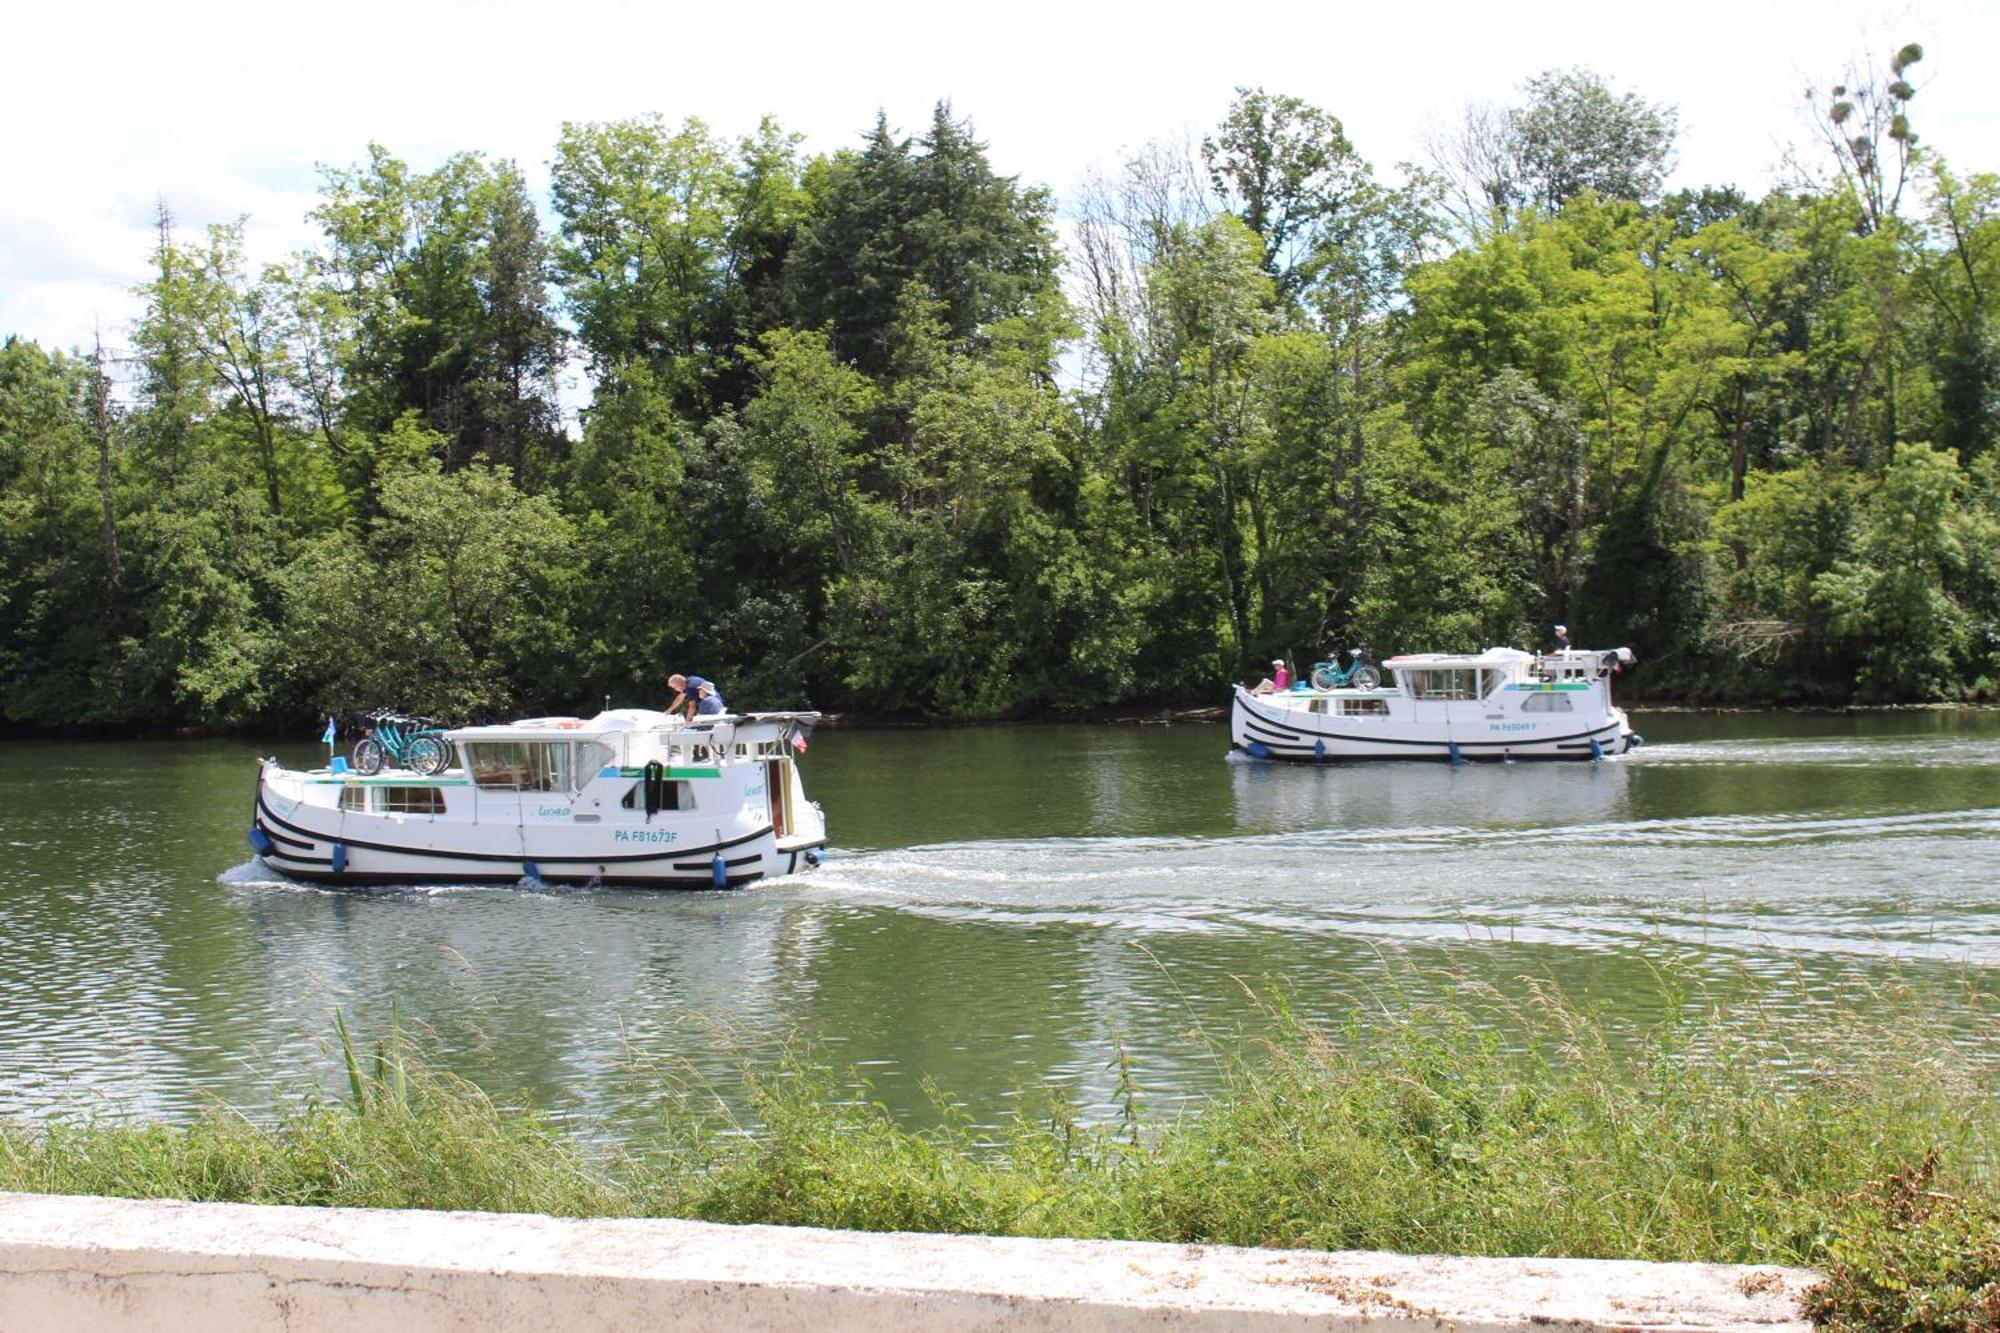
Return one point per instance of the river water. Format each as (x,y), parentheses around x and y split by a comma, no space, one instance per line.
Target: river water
(1004,908)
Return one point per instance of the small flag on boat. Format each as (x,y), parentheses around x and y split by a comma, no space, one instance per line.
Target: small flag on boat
(798,742)
(327,739)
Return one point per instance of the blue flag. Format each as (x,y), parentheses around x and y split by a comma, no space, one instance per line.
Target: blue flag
(328,738)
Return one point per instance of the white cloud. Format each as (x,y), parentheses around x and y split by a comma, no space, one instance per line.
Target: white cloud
(226,108)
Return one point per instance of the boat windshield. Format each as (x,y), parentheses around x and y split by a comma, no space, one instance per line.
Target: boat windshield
(1442,683)
(1451,682)
(563,766)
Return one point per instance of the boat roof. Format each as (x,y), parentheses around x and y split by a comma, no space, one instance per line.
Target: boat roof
(1501,658)
(622,720)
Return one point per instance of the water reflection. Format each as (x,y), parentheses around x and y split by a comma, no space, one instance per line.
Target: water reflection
(1417,794)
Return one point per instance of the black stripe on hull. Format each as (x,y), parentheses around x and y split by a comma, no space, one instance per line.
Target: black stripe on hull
(385,878)
(266,817)
(1309,759)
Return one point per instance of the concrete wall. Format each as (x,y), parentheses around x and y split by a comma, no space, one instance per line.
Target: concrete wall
(71,1264)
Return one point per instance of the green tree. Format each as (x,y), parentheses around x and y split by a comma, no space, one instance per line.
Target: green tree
(647,213)
(1958,276)
(1890,603)
(1288,171)
(442,275)
(982,247)
(52,580)
(623,490)
(456,602)
(1575,134)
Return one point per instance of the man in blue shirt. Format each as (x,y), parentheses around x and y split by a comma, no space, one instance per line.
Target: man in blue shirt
(708,699)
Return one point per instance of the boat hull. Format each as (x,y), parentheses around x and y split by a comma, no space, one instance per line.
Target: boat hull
(315,843)
(1289,734)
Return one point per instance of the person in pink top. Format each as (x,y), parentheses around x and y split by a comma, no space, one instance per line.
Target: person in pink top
(1281,676)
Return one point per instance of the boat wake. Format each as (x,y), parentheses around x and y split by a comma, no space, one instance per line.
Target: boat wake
(1917,885)
(1886,752)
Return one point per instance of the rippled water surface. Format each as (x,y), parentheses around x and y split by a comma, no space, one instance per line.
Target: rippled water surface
(1005,907)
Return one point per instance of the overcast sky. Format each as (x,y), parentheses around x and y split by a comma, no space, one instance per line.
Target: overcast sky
(225,108)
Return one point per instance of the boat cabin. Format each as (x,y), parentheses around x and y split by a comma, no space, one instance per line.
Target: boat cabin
(1467,676)
(650,760)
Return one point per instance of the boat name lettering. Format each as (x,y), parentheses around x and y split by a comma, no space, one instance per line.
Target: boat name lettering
(1510,726)
(643,835)
(552,811)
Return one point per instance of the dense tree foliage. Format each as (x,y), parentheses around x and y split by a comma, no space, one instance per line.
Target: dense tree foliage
(859,433)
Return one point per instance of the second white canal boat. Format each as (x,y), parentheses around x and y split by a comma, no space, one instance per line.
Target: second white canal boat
(1499,704)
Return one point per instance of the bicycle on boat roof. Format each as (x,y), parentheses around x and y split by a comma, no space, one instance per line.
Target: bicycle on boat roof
(402,741)
(1356,675)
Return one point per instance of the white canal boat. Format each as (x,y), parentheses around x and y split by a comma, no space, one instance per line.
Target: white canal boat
(1499,704)
(630,796)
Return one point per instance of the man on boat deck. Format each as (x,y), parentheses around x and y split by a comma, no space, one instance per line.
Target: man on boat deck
(679,685)
(1562,640)
(708,699)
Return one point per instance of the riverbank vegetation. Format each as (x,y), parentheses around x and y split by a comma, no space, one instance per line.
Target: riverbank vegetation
(1476,1127)
(881,429)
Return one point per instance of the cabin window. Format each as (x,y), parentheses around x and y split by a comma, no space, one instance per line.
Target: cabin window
(675,795)
(412,801)
(1547,703)
(1316,706)
(592,758)
(1445,683)
(354,797)
(1364,708)
(700,753)
(553,766)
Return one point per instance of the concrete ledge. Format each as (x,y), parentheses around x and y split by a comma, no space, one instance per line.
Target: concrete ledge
(74,1263)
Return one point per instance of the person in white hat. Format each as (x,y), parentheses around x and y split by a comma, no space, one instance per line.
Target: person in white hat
(1562,639)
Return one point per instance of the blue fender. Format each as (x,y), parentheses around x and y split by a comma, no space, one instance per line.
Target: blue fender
(1257,750)
(1596,749)
(340,858)
(1319,752)
(531,872)
(260,841)
(1456,757)
(718,872)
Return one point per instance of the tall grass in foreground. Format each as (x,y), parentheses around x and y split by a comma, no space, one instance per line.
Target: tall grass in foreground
(1480,1128)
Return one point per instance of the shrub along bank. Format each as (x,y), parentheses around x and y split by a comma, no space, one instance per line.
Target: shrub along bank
(1874,1160)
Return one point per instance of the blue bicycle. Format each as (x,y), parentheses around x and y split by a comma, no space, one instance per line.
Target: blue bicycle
(1356,675)
(407,742)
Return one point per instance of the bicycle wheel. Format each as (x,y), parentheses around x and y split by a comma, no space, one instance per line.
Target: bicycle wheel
(368,756)
(1365,678)
(430,755)
(1326,676)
